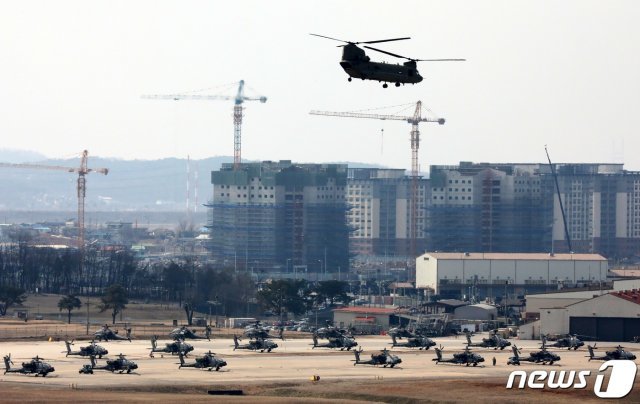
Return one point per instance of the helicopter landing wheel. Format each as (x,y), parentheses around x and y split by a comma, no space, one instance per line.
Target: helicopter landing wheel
(385,85)
(349,79)
(397,84)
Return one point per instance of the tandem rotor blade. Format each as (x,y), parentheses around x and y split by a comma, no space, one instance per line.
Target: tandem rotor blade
(356,43)
(415,60)
(328,37)
(386,40)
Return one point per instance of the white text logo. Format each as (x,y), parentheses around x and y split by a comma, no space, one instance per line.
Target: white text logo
(623,375)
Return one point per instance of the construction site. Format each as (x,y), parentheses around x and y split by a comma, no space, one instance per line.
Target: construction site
(280,216)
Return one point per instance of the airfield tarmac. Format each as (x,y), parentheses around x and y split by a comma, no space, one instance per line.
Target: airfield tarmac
(293,363)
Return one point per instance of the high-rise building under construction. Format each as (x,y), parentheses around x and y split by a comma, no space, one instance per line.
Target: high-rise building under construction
(280,216)
(380,212)
(488,207)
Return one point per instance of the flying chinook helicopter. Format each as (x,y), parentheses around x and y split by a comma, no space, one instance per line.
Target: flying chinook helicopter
(120,365)
(618,354)
(358,65)
(569,342)
(494,341)
(542,356)
(202,362)
(343,342)
(185,333)
(106,334)
(90,350)
(177,347)
(463,358)
(34,367)
(384,358)
(256,344)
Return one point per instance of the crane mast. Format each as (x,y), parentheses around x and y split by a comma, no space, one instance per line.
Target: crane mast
(238,99)
(82,171)
(564,218)
(414,120)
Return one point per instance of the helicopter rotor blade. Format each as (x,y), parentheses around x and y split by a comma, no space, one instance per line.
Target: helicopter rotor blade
(415,60)
(386,40)
(439,60)
(388,53)
(356,43)
(328,37)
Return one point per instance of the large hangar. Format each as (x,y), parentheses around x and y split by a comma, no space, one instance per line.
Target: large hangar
(494,274)
(614,316)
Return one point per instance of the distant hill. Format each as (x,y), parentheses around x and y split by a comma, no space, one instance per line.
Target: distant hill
(141,185)
(19,156)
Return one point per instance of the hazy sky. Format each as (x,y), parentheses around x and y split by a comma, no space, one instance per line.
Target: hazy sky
(562,73)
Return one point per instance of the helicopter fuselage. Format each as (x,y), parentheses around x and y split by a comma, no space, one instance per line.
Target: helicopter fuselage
(358,65)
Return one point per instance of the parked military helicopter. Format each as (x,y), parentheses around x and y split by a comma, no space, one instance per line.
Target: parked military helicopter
(106,334)
(208,361)
(257,330)
(120,365)
(542,356)
(35,366)
(177,347)
(358,65)
(342,342)
(256,344)
(569,342)
(494,341)
(330,331)
(414,339)
(618,354)
(463,358)
(90,350)
(185,333)
(384,358)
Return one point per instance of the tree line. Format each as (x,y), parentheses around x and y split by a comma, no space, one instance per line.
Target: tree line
(117,275)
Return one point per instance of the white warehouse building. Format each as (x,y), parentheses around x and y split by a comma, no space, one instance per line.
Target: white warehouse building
(494,274)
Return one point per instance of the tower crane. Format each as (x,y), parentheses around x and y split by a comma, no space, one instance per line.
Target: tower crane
(415,147)
(82,171)
(239,99)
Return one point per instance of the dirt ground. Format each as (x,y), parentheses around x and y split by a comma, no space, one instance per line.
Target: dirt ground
(284,375)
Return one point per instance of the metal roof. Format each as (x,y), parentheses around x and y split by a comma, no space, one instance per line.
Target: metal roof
(366,310)
(514,256)
(629,295)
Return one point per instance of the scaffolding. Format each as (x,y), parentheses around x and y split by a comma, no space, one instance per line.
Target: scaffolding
(293,227)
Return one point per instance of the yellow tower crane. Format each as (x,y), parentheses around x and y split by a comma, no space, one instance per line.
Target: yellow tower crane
(238,99)
(82,171)
(415,147)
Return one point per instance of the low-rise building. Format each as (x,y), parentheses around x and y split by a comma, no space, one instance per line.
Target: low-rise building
(503,274)
(365,319)
(481,311)
(613,316)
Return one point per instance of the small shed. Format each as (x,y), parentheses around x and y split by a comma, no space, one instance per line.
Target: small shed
(481,311)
